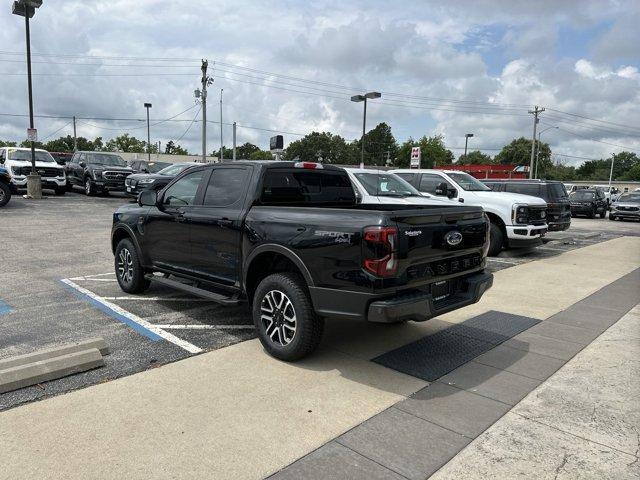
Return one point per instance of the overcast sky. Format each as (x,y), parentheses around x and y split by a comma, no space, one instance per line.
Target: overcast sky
(444,68)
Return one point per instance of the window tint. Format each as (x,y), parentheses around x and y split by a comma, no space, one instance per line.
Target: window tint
(430,181)
(409,177)
(524,188)
(298,186)
(226,186)
(183,192)
(557,191)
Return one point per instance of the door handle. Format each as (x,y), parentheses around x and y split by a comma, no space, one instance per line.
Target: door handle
(225,222)
(180,217)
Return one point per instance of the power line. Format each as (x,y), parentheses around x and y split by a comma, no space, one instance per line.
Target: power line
(190,125)
(593,139)
(593,119)
(53,133)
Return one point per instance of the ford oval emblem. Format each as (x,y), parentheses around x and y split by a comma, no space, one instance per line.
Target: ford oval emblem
(453,238)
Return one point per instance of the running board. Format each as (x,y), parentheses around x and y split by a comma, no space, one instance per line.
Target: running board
(198,292)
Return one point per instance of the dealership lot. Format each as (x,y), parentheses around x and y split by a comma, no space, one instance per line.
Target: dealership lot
(335,407)
(62,289)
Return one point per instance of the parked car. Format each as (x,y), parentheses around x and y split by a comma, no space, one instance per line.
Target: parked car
(17,161)
(551,191)
(5,187)
(379,186)
(589,202)
(97,172)
(516,220)
(291,240)
(61,158)
(143,166)
(609,192)
(138,182)
(626,206)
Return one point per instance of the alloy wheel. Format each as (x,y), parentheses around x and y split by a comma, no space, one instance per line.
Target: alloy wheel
(87,187)
(125,265)
(278,317)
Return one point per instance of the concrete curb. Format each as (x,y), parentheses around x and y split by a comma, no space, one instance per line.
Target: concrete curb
(49,353)
(49,369)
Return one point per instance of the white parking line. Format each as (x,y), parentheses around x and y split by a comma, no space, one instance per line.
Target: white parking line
(131,319)
(206,327)
(502,260)
(159,299)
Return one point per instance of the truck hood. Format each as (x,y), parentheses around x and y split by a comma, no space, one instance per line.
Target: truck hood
(27,163)
(153,176)
(508,199)
(417,200)
(626,204)
(110,168)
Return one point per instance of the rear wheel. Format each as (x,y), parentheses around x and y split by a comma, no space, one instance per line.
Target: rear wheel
(287,325)
(129,271)
(5,194)
(69,186)
(612,217)
(496,240)
(60,191)
(603,214)
(592,213)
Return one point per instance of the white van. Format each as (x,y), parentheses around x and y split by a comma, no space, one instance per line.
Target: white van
(18,162)
(516,220)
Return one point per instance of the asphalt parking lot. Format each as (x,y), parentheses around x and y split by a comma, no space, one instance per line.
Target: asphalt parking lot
(58,286)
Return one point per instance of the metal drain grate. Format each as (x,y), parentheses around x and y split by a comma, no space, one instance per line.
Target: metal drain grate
(436,355)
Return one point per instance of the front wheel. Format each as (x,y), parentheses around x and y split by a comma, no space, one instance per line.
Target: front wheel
(603,214)
(496,240)
(592,213)
(5,194)
(129,271)
(612,217)
(89,189)
(287,325)
(60,191)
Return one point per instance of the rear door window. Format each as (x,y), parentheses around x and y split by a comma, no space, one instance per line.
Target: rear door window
(301,186)
(524,189)
(226,186)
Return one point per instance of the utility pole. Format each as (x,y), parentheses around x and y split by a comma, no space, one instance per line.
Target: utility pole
(75,138)
(221,144)
(613,158)
(234,140)
(148,106)
(203,96)
(535,113)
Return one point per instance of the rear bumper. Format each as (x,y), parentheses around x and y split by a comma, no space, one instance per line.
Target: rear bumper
(413,305)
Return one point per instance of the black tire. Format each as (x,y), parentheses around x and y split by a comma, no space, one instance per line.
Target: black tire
(496,239)
(308,326)
(5,194)
(60,191)
(612,217)
(128,268)
(89,187)
(69,186)
(592,213)
(603,214)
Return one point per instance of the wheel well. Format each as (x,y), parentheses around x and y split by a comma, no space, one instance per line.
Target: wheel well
(495,219)
(264,265)
(119,235)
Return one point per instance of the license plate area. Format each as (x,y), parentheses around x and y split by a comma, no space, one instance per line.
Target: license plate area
(440,290)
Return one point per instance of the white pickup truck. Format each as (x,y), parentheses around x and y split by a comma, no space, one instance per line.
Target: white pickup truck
(516,220)
(17,161)
(380,186)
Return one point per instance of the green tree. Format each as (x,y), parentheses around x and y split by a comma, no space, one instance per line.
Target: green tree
(173,148)
(27,144)
(379,144)
(260,155)
(127,143)
(518,152)
(6,143)
(474,158)
(633,174)
(320,146)
(432,149)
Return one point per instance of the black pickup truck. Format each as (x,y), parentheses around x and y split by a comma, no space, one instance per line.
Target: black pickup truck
(292,241)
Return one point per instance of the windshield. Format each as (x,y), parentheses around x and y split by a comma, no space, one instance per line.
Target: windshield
(385,185)
(582,196)
(25,156)
(173,170)
(155,167)
(629,197)
(468,183)
(108,159)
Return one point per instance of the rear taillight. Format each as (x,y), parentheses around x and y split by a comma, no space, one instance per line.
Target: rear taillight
(308,165)
(380,248)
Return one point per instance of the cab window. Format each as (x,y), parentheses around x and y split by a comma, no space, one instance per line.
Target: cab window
(429,182)
(226,186)
(183,192)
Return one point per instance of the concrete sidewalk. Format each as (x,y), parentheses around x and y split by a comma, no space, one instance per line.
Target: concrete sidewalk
(584,422)
(237,413)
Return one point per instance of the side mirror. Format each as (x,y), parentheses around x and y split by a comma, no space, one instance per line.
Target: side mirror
(452,192)
(441,189)
(82,164)
(148,198)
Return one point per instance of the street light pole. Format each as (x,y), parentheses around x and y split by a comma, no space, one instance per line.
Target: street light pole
(538,149)
(148,106)
(363,98)
(27,9)
(466,141)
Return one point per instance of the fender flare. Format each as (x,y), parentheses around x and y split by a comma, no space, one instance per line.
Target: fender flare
(275,248)
(130,234)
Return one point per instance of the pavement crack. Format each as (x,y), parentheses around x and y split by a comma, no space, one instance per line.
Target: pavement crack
(560,467)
